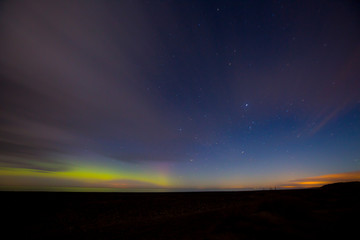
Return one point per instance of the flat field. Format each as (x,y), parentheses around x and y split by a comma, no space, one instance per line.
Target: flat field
(330,212)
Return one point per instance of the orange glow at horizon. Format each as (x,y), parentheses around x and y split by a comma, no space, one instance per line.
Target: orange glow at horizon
(318,181)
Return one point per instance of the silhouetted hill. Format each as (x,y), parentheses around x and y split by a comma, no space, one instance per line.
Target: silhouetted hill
(342,186)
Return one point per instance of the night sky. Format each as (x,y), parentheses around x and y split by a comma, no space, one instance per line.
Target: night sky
(170,95)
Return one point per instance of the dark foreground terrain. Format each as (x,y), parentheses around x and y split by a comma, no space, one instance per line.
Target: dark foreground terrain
(330,212)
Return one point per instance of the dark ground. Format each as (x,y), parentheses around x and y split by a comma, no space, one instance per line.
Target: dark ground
(330,212)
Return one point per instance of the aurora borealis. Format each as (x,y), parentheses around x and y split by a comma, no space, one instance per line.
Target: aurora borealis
(169,95)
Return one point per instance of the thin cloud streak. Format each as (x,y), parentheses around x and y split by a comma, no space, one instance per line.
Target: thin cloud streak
(322,180)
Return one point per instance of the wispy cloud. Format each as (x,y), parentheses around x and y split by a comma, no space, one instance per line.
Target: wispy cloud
(76,78)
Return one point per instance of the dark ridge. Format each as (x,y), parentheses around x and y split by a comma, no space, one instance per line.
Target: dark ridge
(342,186)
